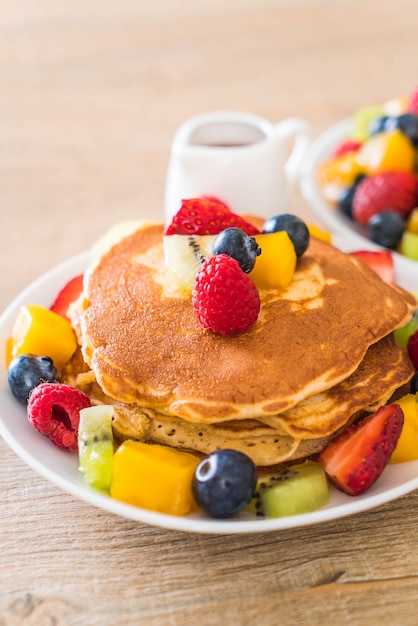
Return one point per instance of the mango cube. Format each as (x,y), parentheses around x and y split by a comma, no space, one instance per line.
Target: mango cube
(341,171)
(275,266)
(9,351)
(412,223)
(319,233)
(154,477)
(407,446)
(39,331)
(388,151)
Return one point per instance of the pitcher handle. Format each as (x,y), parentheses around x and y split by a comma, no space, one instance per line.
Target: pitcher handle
(300,131)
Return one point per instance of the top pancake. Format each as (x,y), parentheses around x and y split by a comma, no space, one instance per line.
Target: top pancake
(140,336)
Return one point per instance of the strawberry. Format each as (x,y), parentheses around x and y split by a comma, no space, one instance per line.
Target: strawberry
(413,102)
(216,199)
(225,299)
(394,191)
(67,296)
(412,347)
(54,410)
(381,261)
(346,146)
(206,216)
(355,459)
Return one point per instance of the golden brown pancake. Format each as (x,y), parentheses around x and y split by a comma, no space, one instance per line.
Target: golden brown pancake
(301,431)
(384,369)
(144,344)
(265,445)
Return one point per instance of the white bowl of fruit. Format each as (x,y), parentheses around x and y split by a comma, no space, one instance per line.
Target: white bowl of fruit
(361,179)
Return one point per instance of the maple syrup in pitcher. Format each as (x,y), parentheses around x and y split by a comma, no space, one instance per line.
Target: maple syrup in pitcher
(237,157)
(226,135)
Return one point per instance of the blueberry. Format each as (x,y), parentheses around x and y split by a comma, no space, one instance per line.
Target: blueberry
(26,372)
(295,228)
(390,122)
(414,383)
(386,229)
(237,244)
(407,124)
(377,125)
(224,482)
(345,203)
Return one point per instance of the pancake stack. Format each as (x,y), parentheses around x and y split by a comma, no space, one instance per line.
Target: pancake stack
(320,355)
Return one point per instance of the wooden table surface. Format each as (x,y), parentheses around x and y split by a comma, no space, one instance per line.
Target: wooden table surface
(91,93)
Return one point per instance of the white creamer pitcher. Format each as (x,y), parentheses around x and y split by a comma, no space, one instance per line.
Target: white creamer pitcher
(237,157)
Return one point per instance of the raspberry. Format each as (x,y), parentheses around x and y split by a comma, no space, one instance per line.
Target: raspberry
(388,191)
(412,348)
(54,410)
(206,216)
(225,299)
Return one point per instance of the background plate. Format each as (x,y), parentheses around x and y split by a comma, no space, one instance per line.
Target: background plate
(406,270)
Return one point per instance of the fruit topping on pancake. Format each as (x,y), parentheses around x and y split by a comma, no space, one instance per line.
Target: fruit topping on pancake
(141,337)
(206,216)
(225,299)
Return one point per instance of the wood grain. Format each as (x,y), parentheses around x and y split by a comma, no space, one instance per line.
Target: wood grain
(90,96)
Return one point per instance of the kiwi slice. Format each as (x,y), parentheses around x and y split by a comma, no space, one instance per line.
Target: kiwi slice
(409,245)
(184,255)
(402,334)
(294,490)
(362,118)
(95,445)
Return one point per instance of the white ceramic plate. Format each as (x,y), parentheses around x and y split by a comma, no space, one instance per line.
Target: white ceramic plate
(61,468)
(406,270)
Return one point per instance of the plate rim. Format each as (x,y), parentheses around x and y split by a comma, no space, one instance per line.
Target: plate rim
(82,491)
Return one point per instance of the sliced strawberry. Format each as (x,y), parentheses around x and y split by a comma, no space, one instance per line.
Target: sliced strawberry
(413,102)
(356,458)
(68,295)
(215,199)
(380,261)
(346,146)
(206,216)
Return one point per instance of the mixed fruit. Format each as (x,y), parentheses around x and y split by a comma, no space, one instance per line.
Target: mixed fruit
(372,176)
(222,262)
